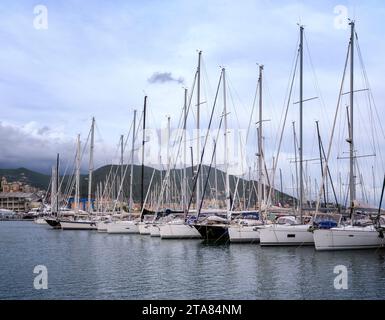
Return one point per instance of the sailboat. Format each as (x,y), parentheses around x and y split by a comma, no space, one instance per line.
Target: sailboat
(215,227)
(244,227)
(81,220)
(352,236)
(130,225)
(296,233)
(53,219)
(181,227)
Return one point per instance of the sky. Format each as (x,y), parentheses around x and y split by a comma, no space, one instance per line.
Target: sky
(62,63)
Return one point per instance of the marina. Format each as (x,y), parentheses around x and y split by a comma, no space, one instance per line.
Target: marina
(92,265)
(224,157)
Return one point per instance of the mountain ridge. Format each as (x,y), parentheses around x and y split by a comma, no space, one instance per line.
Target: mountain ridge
(42,181)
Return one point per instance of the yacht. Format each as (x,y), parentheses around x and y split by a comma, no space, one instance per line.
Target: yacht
(244,227)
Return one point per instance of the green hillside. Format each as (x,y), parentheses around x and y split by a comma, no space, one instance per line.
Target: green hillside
(100,176)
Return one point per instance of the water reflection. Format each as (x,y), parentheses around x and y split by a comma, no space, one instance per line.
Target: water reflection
(90,265)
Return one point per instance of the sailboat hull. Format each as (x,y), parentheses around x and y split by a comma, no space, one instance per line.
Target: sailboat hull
(102,226)
(121,227)
(78,225)
(154,230)
(216,232)
(283,235)
(345,238)
(40,221)
(178,231)
(246,234)
(53,222)
(144,228)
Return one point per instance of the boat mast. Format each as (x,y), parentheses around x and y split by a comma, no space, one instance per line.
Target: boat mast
(132,162)
(227,187)
(296,185)
(352,181)
(77,181)
(91,166)
(53,191)
(57,185)
(321,159)
(301,124)
(184,154)
(169,180)
(280,179)
(260,172)
(198,129)
(121,171)
(143,142)
(215,172)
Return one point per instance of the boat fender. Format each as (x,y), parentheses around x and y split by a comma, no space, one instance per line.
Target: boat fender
(311,229)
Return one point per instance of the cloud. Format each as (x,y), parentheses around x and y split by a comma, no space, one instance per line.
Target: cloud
(96,61)
(163,77)
(35,147)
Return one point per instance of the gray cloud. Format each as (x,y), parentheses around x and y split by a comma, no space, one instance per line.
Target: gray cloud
(22,148)
(35,147)
(162,77)
(43,130)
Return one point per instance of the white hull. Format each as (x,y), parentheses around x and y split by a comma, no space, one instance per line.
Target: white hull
(178,231)
(40,221)
(239,233)
(348,238)
(102,226)
(78,225)
(154,230)
(144,228)
(286,235)
(123,227)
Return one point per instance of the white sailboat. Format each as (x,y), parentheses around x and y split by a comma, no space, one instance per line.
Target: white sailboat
(40,220)
(144,225)
(81,221)
(78,224)
(288,233)
(352,236)
(131,225)
(101,224)
(179,227)
(349,237)
(244,228)
(123,226)
(296,233)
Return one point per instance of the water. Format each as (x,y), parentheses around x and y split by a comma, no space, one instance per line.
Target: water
(91,265)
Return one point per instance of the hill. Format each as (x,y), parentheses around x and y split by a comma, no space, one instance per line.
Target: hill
(30,177)
(100,176)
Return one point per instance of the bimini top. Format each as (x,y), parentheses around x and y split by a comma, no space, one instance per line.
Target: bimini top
(246,214)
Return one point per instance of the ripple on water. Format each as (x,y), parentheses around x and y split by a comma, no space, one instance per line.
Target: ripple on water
(91,265)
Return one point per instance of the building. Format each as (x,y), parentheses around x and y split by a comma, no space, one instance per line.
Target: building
(18,201)
(16,186)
